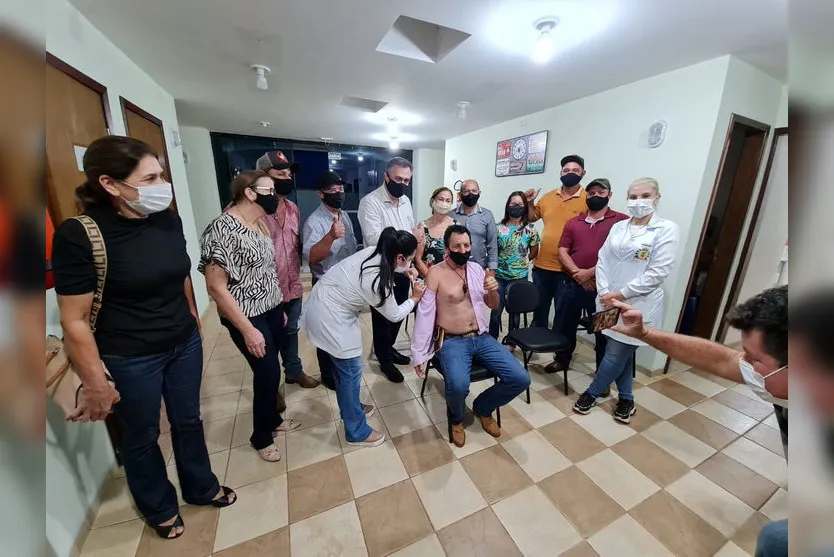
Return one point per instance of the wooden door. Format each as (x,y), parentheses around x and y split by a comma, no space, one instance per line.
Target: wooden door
(147,127)
(75,117)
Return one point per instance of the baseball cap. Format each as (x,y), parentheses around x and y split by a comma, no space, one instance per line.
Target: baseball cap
(327,179)
(573,158)
(599,182)
(277,160)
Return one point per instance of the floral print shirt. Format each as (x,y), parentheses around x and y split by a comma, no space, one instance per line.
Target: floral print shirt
(514,244)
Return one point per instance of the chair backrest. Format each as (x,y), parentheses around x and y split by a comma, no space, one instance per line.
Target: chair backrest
(521,297)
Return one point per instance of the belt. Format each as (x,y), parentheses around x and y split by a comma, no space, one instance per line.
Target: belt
(470,334)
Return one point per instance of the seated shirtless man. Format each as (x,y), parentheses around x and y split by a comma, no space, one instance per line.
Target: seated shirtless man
(455,304)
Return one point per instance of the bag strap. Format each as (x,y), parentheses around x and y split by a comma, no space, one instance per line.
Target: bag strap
(100,262)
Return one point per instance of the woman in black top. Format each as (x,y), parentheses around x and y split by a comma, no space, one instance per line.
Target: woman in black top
(238,258)
(147,333)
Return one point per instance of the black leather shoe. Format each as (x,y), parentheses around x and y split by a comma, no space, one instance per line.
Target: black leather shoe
(400,359)
(329,383)
(392,373)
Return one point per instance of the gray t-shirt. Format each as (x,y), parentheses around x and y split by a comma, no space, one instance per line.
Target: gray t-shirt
(318,224)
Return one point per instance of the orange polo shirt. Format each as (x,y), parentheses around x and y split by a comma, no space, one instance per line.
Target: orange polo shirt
(555,212)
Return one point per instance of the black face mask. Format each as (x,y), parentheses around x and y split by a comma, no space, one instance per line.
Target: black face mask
(459,258)
(570,179)
(394,188)
(334,200)
(283,186)
(470,199)
(515,211)
(269,203)
(596,203)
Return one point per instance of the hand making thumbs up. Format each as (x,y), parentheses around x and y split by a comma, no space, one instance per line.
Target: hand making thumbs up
(337,230)
(490,283)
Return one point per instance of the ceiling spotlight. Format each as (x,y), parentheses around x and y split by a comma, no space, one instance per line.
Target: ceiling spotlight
(265,124)
(332,161)
(545,46)
(260,76)
(393,127)
(462,109)
(360,158)
(394,145)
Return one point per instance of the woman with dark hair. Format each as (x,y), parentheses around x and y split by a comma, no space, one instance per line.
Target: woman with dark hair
(238,259)
(147,331)
(518,244)
(432,251)
(331,318)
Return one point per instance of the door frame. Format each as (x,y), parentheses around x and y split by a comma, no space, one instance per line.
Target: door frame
(86,80)
(752,228)
(734,119)
(127,105)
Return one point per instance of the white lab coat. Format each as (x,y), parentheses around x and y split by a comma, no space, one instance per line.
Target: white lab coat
(635,261)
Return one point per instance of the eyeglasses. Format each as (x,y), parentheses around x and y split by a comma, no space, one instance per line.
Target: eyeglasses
(264,189)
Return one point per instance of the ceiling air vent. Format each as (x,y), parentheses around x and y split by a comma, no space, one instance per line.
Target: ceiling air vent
(420,40)
(365,105)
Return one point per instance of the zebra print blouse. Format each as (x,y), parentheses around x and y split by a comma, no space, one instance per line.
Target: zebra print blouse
(248,257)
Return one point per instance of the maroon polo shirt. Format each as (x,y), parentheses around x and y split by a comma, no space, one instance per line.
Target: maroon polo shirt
(584,240)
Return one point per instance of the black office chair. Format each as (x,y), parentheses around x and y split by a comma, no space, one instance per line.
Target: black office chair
(477,373)
(522,298)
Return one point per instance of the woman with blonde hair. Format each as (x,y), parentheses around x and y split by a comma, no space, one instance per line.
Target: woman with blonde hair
(635,259)
(432,251)
(238,260)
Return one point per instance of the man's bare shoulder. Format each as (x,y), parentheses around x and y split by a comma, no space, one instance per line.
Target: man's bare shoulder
(435,276)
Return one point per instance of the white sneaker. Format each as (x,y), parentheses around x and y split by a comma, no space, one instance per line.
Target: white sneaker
(375,439)
(286,426)
(369,410)
(271,453)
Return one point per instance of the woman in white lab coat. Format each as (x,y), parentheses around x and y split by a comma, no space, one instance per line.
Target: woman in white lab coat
(633,263)
(331,319)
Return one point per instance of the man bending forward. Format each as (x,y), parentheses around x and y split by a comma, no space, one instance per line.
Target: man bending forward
(452,322)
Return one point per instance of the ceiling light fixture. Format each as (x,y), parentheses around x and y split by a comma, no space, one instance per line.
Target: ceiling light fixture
(394,145)
(545,46)
(260,76)
(360,158)
(393,127)
(264,124)
(462,109)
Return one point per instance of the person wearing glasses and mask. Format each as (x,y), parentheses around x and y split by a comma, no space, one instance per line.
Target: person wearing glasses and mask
(555,209)
(633,264)
(284,227)
(432,251)
(328,239)
(238,260)
(147,332)
(481,224)
(388,205)
(331,319)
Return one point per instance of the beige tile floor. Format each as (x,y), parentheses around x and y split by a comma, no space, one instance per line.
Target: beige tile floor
(696,474)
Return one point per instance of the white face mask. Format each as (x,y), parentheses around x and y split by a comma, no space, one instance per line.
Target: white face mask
(152,199)
(441,207)
(639,208)
(407,266)
(756,382)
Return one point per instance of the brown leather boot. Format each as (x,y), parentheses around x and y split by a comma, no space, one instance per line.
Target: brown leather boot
(304,381)
(490,426)
(457,435)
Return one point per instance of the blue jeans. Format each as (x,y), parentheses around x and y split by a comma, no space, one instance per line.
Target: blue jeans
(616,367)
(456,357)
(495,316)
(773,540)
(266,372)
(289,347)
(548,283)
(571,300)
(347,373)
(143,382)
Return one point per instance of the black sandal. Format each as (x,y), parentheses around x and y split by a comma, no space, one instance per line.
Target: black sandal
(224,501)
(164,532)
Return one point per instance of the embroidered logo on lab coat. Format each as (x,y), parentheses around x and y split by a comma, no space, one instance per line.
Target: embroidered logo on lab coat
(642,254)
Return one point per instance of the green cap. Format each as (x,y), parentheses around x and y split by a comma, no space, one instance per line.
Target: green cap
(600,182)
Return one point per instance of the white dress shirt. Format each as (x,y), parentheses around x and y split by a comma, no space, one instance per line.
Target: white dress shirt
(331,313)
(377,212)
(635,260)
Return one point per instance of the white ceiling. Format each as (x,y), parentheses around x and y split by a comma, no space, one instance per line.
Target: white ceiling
(322,50)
